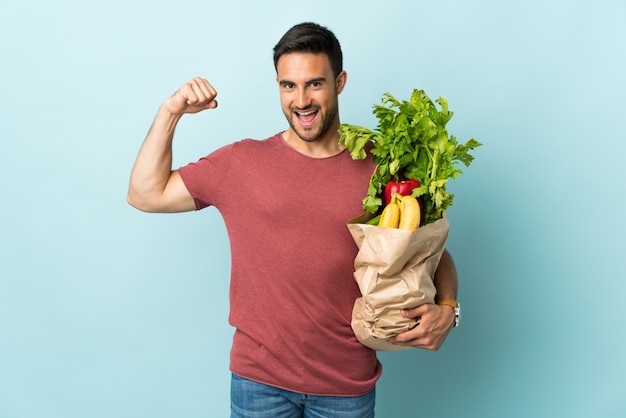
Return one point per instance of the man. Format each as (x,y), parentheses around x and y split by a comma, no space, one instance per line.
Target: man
(285,202)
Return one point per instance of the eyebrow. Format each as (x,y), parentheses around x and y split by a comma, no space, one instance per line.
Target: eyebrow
(313,80)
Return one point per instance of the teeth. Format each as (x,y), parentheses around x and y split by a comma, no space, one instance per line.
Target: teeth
(306,113)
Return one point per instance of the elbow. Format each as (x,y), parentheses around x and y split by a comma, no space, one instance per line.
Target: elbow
(131,201)
(136,203)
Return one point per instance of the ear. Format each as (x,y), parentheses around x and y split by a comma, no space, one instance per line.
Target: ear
(340,81)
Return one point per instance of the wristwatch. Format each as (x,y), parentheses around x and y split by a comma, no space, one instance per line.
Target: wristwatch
(457,309)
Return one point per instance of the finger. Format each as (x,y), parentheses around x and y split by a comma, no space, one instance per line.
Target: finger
(414,312)
(404,342)
(186,92)
(407,336)
(408,339)
(202,90)
(207,88)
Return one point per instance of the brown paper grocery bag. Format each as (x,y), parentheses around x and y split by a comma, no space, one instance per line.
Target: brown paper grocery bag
(394,270)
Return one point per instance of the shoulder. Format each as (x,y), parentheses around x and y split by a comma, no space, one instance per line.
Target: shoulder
(241,147)
(251,143)
(251,146)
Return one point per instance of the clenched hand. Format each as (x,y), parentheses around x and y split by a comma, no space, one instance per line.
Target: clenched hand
(435,321)
(192,97)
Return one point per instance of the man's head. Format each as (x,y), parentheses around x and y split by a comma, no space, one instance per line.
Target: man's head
(312,38)
(309,83)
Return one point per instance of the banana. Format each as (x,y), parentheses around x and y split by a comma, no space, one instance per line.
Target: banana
(409,213)
(390,217)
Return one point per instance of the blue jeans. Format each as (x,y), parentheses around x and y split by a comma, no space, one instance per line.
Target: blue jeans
(249,399)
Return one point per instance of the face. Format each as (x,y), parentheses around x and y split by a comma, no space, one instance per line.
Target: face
(309,95)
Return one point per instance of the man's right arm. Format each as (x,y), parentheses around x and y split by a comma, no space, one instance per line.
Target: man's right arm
(154,186)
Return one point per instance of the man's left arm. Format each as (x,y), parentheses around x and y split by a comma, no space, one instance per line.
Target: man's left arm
(435,320)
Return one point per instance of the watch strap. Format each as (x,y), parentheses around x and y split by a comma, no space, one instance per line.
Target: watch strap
(457,309)
(449,302)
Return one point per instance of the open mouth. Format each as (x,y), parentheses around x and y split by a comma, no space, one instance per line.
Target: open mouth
(306,117)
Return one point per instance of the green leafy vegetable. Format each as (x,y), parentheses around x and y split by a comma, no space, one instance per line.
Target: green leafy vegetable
(411,142)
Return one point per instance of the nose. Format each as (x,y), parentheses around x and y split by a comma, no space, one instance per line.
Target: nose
(302,99)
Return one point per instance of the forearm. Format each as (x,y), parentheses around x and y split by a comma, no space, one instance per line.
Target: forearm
(153,166)
(446,281)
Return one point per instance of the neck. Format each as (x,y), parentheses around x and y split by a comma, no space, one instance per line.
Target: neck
(325,146)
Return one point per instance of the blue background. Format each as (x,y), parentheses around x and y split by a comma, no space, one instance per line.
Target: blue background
(109,312)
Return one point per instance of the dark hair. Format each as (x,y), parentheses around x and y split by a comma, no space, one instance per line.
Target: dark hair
(311,37)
